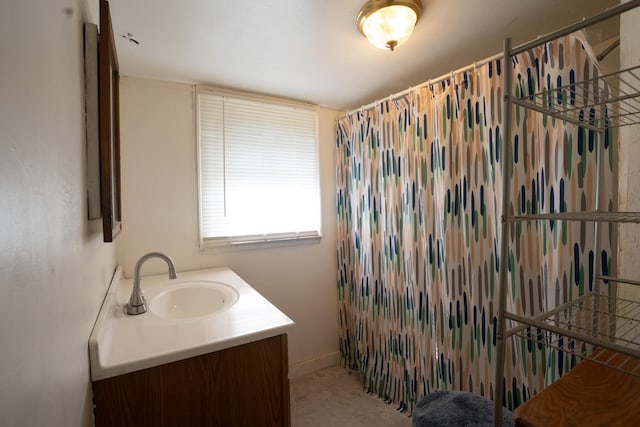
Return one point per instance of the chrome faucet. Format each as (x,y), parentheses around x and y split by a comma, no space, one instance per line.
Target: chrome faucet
(137,304)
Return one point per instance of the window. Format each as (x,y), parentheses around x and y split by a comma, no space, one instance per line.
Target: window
(258,170)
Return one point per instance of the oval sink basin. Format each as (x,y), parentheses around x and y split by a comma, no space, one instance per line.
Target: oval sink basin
(189,300)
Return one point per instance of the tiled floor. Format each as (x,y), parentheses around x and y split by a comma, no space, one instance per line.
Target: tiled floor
(334,397)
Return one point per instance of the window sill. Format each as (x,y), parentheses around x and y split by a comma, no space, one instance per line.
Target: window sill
(259,242)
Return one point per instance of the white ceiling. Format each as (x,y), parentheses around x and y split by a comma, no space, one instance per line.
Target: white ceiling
(310,50)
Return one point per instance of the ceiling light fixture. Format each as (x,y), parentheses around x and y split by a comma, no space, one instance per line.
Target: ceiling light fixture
(388,23)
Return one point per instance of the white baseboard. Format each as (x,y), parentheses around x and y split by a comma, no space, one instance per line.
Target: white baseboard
(311,365)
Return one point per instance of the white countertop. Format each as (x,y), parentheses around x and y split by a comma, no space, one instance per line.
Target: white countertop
(120,343)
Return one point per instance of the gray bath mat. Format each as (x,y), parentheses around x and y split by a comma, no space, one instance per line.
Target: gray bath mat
(456,408)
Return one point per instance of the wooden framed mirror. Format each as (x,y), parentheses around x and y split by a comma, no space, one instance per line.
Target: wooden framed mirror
(109,78)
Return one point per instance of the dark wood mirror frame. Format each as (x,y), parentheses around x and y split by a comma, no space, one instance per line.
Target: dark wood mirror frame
(109,79)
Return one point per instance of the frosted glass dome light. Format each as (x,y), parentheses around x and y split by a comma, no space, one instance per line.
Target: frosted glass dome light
(388,23)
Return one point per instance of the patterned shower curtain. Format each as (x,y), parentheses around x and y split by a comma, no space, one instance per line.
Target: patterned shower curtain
(419,190)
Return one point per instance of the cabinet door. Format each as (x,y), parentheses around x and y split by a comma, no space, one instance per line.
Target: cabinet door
(242,386)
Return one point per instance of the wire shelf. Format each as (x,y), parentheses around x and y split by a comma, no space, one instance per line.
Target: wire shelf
(594,321)
(629,217)
(608,101)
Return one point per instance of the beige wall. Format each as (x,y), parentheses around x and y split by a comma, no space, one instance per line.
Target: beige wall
(160,213)
(629,164)
(54,268)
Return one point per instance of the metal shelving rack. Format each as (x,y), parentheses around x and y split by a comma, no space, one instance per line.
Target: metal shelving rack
(614,99)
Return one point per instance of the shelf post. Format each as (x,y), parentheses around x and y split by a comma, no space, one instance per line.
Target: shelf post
(504,236)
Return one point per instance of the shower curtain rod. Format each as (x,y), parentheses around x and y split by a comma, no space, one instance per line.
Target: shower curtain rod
(608,49)
(608,13)
(423,84)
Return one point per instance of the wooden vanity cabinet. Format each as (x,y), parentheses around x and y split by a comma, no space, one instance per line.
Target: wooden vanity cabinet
(246,385)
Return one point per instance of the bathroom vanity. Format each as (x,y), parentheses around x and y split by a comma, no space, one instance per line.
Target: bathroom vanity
(245,385)
(174,366)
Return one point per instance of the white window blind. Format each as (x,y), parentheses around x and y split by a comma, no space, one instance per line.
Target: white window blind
(258,170)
